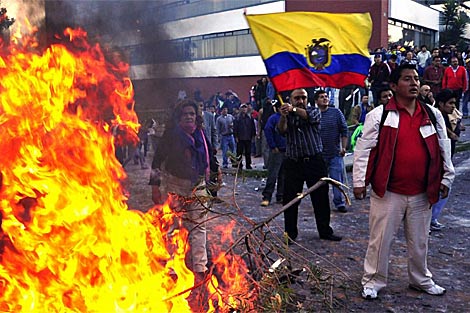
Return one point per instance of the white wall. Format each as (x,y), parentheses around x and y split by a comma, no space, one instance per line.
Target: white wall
(218,22)
(414,13)
(242,66)
(208,24)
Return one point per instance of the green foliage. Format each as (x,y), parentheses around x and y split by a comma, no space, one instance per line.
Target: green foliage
(454,21)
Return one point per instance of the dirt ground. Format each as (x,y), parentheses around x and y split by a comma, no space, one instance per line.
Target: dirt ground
(340,263)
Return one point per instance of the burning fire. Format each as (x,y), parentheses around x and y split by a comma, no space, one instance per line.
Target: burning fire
(70,244)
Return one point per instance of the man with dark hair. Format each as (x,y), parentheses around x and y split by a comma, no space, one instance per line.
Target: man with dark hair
(379,73)
(304,163)
(422,56)
(244,131)
(455,78)
(433,75)
(232,102)
(407,161)
(224,125)
(385,94)
(334,135)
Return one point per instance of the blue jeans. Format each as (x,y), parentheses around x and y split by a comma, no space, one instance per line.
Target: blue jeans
(226,143)
(466,98)
(335,167)
(438,206)
(275,173)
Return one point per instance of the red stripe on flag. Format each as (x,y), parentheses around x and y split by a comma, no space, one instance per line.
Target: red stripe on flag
(304,78)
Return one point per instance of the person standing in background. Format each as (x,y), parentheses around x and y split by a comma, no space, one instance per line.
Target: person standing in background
(277,146)
(455,79)
(224,125)
(244,131)
(334,135)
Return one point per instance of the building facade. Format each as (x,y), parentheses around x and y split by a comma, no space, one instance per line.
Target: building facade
(206,45)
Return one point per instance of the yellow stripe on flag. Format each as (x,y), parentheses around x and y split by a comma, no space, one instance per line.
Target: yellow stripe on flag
(293,31)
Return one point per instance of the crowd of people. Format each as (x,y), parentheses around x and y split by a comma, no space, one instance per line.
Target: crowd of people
(304,136)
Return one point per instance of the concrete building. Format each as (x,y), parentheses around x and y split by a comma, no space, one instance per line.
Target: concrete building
(206,45)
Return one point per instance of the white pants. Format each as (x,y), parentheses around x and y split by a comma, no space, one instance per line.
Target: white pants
(194,215)
(385,217)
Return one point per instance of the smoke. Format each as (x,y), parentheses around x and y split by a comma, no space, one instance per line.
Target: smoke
(128,27)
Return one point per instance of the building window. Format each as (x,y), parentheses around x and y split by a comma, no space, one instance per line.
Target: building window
(211,46)
(404,34)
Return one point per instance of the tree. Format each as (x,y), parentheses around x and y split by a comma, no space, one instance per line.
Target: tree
(454,20)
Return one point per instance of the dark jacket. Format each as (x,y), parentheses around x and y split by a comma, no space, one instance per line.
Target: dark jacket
(244,127)
(184,157)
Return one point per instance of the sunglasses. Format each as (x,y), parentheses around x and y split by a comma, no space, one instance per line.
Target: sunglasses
(300,97)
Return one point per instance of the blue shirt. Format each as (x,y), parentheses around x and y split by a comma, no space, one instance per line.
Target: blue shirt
(271,132)
(333,126)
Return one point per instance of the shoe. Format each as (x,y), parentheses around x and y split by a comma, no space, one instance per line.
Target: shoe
(434,290)
(258,156)
(265,203)
(342,209)
(436,223)
(248,167)
(369,293)
(331,237)
(436,226)
(225,166)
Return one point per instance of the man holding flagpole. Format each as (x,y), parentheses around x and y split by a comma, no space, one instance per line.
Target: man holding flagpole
(302,50)
(304,163)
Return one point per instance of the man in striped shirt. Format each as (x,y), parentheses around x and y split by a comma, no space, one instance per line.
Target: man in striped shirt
(301,125)
(334,136)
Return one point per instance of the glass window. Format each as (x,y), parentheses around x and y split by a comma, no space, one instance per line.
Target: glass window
(194,48)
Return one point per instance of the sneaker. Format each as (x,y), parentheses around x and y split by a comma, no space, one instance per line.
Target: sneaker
(437,223)
(342,209)
(436,226)
(369,293)
(265,203)
(434,290)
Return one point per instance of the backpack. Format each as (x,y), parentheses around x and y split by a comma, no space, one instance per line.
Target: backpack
(358,132)
(428,110)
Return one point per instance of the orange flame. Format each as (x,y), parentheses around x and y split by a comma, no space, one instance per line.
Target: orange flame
(69,241)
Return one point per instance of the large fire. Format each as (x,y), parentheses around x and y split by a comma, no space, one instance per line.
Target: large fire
(70,243)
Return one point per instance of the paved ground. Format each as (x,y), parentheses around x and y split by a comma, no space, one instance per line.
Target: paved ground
(342,261)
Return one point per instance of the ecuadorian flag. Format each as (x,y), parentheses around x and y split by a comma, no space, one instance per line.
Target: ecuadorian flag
(313,49)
